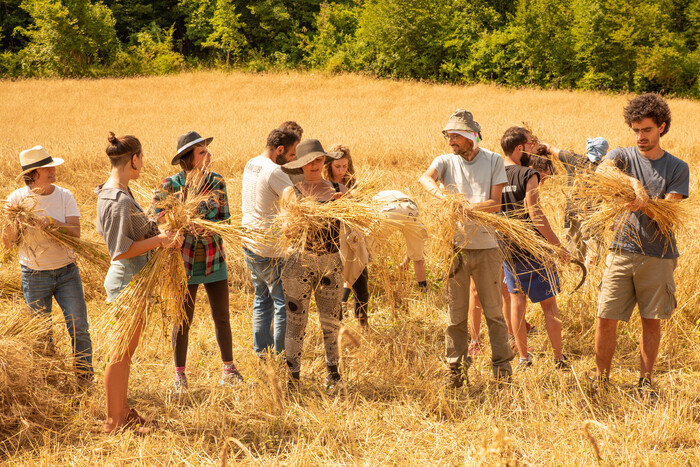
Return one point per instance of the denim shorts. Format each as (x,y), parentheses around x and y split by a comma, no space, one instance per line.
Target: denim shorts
(530,278)
(120,273)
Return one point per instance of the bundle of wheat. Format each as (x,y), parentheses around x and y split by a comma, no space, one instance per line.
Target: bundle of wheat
(22,217)
(306,222)
(514,235)
(608,194)
(34,381)
(161,284)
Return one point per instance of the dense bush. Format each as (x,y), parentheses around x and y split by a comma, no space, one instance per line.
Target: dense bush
(590,44)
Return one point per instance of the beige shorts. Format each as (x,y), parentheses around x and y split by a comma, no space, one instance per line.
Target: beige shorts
(632,279)
(403,215)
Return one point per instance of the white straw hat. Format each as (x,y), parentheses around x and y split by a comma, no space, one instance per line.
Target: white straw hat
(35,158)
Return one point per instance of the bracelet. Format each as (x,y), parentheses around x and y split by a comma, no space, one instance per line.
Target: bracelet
(50,220)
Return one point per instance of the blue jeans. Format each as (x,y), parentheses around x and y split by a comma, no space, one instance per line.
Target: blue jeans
(39,287)
(268,303)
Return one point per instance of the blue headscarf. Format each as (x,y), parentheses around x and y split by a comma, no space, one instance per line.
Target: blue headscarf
(596,148)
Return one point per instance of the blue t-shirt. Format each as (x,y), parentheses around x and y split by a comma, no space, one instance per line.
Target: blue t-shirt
(667,174)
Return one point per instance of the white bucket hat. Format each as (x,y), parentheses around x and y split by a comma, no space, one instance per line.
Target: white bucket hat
(35,158)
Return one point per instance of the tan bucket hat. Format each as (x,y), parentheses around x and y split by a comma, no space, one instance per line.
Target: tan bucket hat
(462,120)
(35,158)
(307,151)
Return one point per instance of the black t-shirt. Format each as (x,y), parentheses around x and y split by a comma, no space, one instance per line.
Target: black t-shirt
(513,200)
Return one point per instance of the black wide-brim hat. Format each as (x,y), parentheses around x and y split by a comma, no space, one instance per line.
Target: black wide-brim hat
(308,151)
(187,142)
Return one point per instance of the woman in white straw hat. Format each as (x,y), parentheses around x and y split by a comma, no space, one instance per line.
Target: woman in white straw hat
(48,268)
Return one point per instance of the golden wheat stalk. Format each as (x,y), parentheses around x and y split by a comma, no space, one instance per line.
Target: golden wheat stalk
(23,216)
(513,234)
(609,192)
(160,285)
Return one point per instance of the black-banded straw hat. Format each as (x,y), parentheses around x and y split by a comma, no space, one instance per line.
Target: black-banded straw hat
(35,158)
(308,151)
(187,142)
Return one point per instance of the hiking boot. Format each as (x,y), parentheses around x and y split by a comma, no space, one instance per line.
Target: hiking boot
(524,363)
(456,378)
(562,363)
(180,385)
(474,349)
(231,377)
(646,391)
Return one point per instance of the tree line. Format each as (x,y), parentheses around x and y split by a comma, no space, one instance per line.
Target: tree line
(616,45)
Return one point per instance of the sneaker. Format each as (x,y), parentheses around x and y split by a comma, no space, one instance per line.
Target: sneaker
(646,391)
(332,380)
(562,363)
(474,349)
(180,385)
(231,378)
(524,363)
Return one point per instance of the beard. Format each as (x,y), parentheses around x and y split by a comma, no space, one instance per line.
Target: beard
(281,159)
(525,159)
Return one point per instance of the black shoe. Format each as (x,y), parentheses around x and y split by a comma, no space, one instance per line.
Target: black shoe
(456,377)
(293,383)
(562,363)
(598,385)
(646,391)
(332,380)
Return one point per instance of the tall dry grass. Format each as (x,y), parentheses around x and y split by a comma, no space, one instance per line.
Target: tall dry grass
(396,410)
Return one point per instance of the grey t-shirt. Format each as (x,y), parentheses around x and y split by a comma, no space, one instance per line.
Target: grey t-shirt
(121,220)
(668,174)
(474,179)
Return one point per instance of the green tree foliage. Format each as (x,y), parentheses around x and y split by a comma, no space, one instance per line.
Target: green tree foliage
(226,35)
(617,45)
(67,37)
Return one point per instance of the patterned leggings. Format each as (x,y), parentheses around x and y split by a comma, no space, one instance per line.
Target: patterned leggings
(321,275)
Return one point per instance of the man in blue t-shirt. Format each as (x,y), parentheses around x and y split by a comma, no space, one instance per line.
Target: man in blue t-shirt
(639,267)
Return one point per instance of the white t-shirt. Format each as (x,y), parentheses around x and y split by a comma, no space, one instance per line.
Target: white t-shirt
(263,184)
(37,251)
(474,179)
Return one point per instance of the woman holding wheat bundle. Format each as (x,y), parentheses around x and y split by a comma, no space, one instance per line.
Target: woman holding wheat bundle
(129,235)
(316,269)
(342,171)
(48,268)
(203,253)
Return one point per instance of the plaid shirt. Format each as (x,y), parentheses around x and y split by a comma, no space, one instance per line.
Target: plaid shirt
(214,209)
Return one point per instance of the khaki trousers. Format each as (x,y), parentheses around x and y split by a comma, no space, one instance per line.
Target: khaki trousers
(485,267)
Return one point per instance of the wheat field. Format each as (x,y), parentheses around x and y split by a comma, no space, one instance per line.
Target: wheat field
(395,410)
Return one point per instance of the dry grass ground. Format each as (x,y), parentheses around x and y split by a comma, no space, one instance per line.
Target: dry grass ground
(396,411)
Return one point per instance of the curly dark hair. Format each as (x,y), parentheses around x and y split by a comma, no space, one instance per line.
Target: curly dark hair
(649,105)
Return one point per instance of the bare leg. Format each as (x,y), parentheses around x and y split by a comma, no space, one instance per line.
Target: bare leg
(506,306)
(552,323)
(605,342)
(474,312)
(649,345)
(517,316)
(117,385)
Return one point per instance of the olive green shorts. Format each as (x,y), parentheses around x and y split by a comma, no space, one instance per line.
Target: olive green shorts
(632,279)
